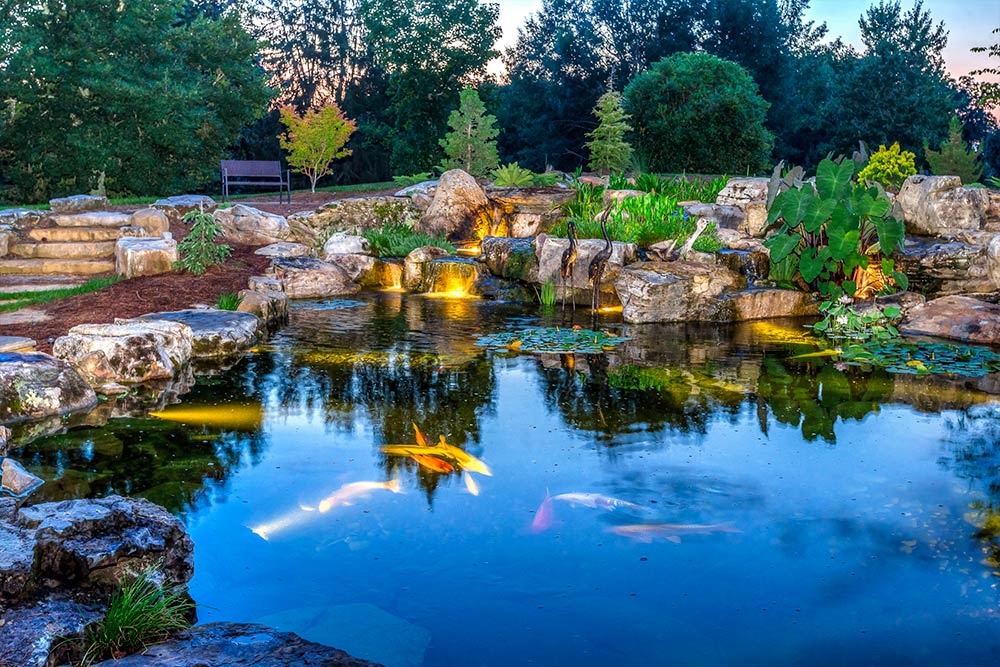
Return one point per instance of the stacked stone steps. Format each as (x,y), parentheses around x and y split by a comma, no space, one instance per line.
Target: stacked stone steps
(74,234)
(78,244)
(70,250)
(41,266)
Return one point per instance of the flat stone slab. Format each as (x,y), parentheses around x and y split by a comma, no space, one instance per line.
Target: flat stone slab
(957,317)
(94,219)
(233,644)
(79,204)
(23,316)
(284,249)
(182,204)
(217,333)
(16,344)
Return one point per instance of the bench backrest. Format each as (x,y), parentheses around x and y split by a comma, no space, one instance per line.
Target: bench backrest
(252,168)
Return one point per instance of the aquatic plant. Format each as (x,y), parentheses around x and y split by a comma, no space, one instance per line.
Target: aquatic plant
(918,358)
(398,240)
(842,320)
(547,295)
(228,301)
(543,339)
(198,250)
(141,612)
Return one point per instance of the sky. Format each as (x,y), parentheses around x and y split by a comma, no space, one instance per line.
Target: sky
(969,23)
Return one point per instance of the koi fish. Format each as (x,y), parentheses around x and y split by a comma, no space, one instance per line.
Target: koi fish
(345,495)
(545,516)
(596,500)
(470,485)
(646,532)
(441,450)
(465,460)
(433,463)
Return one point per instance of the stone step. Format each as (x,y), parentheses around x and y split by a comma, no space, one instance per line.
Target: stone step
(16,344)
(60,266)
(13,284)
(79,250)
(96,219)
(74,234)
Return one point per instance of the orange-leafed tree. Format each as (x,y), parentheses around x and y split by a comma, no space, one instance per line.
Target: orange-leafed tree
(314,140)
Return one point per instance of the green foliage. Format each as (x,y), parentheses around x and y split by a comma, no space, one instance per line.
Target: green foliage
(18,300)
(127,91)
(141,612)
(989,91)
(680,188)
(840,235)
(228,301)
(889,167)
(899,356)
(512,175)
(547,295)
(694,112)
(198,250)
(538,339)
(841,320)
(954,158)
(399,240)
(471,145)
(413,179)
(315,139)
(609,152)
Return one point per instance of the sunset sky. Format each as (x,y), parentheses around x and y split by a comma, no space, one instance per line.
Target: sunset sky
(969,23)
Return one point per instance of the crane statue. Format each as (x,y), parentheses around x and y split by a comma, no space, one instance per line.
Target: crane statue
(567,263)
(599,263)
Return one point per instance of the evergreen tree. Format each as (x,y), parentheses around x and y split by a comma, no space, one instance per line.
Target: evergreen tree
(471,145)
(609,152)
(953,158)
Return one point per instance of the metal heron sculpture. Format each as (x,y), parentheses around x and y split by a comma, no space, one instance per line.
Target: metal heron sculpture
(567,263)
(599,263)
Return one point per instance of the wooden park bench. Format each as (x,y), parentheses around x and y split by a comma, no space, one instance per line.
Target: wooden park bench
(255,172)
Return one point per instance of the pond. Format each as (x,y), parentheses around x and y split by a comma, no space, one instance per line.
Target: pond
(687,496)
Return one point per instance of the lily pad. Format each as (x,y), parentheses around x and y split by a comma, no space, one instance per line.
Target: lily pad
(553,340)
(923,358)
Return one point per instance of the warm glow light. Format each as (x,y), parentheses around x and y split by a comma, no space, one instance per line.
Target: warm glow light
(610,309)
(221,416)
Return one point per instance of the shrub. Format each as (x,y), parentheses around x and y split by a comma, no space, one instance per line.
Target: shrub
(198,250)
(609,152)
(694,112)
(141,613)
(399,240)
(889,167)
(315,140)
(412,179)
(471,145)
(954,158)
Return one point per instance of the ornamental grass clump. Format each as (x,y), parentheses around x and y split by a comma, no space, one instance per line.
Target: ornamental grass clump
(141,612)
(399,240)
(198,250)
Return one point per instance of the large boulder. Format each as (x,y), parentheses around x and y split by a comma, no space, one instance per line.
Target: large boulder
(415,273)
(368,271)
(353,215)
(957,317)
(127,351)
(525,212)
(460,210)
(233,644)
(724,216)
(178,206)
(549,250)
(34,386)
(311,278)
(250,226)
(141,256)
(153,221)
(675,291)
(215,333)
(514,259)
(948,267)
(940,206)
(342,243)
(79,204)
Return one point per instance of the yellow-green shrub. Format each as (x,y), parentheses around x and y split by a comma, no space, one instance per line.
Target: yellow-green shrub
(890,167)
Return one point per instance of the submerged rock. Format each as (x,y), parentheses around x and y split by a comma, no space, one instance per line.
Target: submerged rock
(310,278)
(957,317)
(16,480)
(215,333)
(232,644)
(35,385)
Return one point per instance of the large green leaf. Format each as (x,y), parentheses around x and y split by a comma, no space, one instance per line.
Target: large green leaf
(890,234)
(818,212)
(812,261)
(833,180)
(782,245)
(795,205)
(774,212)
(844,246)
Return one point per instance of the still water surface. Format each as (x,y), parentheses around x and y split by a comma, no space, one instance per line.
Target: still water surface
(778,511)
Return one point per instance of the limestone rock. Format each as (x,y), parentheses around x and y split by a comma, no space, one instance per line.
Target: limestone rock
(34,634)
(947,268)
(342,243)
(79,204)
(413,265)
(724,217)
(215,333)
(368,271)
(549,250)
(421,188)
(16,480)
(525,212)
(310,278)
(232,644)
(284,249)
(459,211)
(761,303)
(514,259)
(35,385)
(140,256)
(96,219)
(126,352)
(674,291)
(940,206)
(20,216)
(353,215)
(178,206)
(741,191)
(154,221)
(455,276)
(265,284)
(250,226)
(270,306)
(957,317)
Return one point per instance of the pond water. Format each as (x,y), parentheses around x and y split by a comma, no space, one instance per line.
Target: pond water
(775,510)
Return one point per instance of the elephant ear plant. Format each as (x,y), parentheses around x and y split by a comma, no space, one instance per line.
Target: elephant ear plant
(836,237)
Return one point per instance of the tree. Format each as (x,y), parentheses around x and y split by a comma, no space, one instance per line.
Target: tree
(989,91)
(471,144)
(314,140)
(129,92)
(953,158)
(695,112)
(609,152)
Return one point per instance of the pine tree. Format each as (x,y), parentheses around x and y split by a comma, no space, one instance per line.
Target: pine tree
(609,152)
(954,158)
(471,144)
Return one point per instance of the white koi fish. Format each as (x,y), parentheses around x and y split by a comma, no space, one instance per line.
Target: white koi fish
(598,501)
(647,532)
